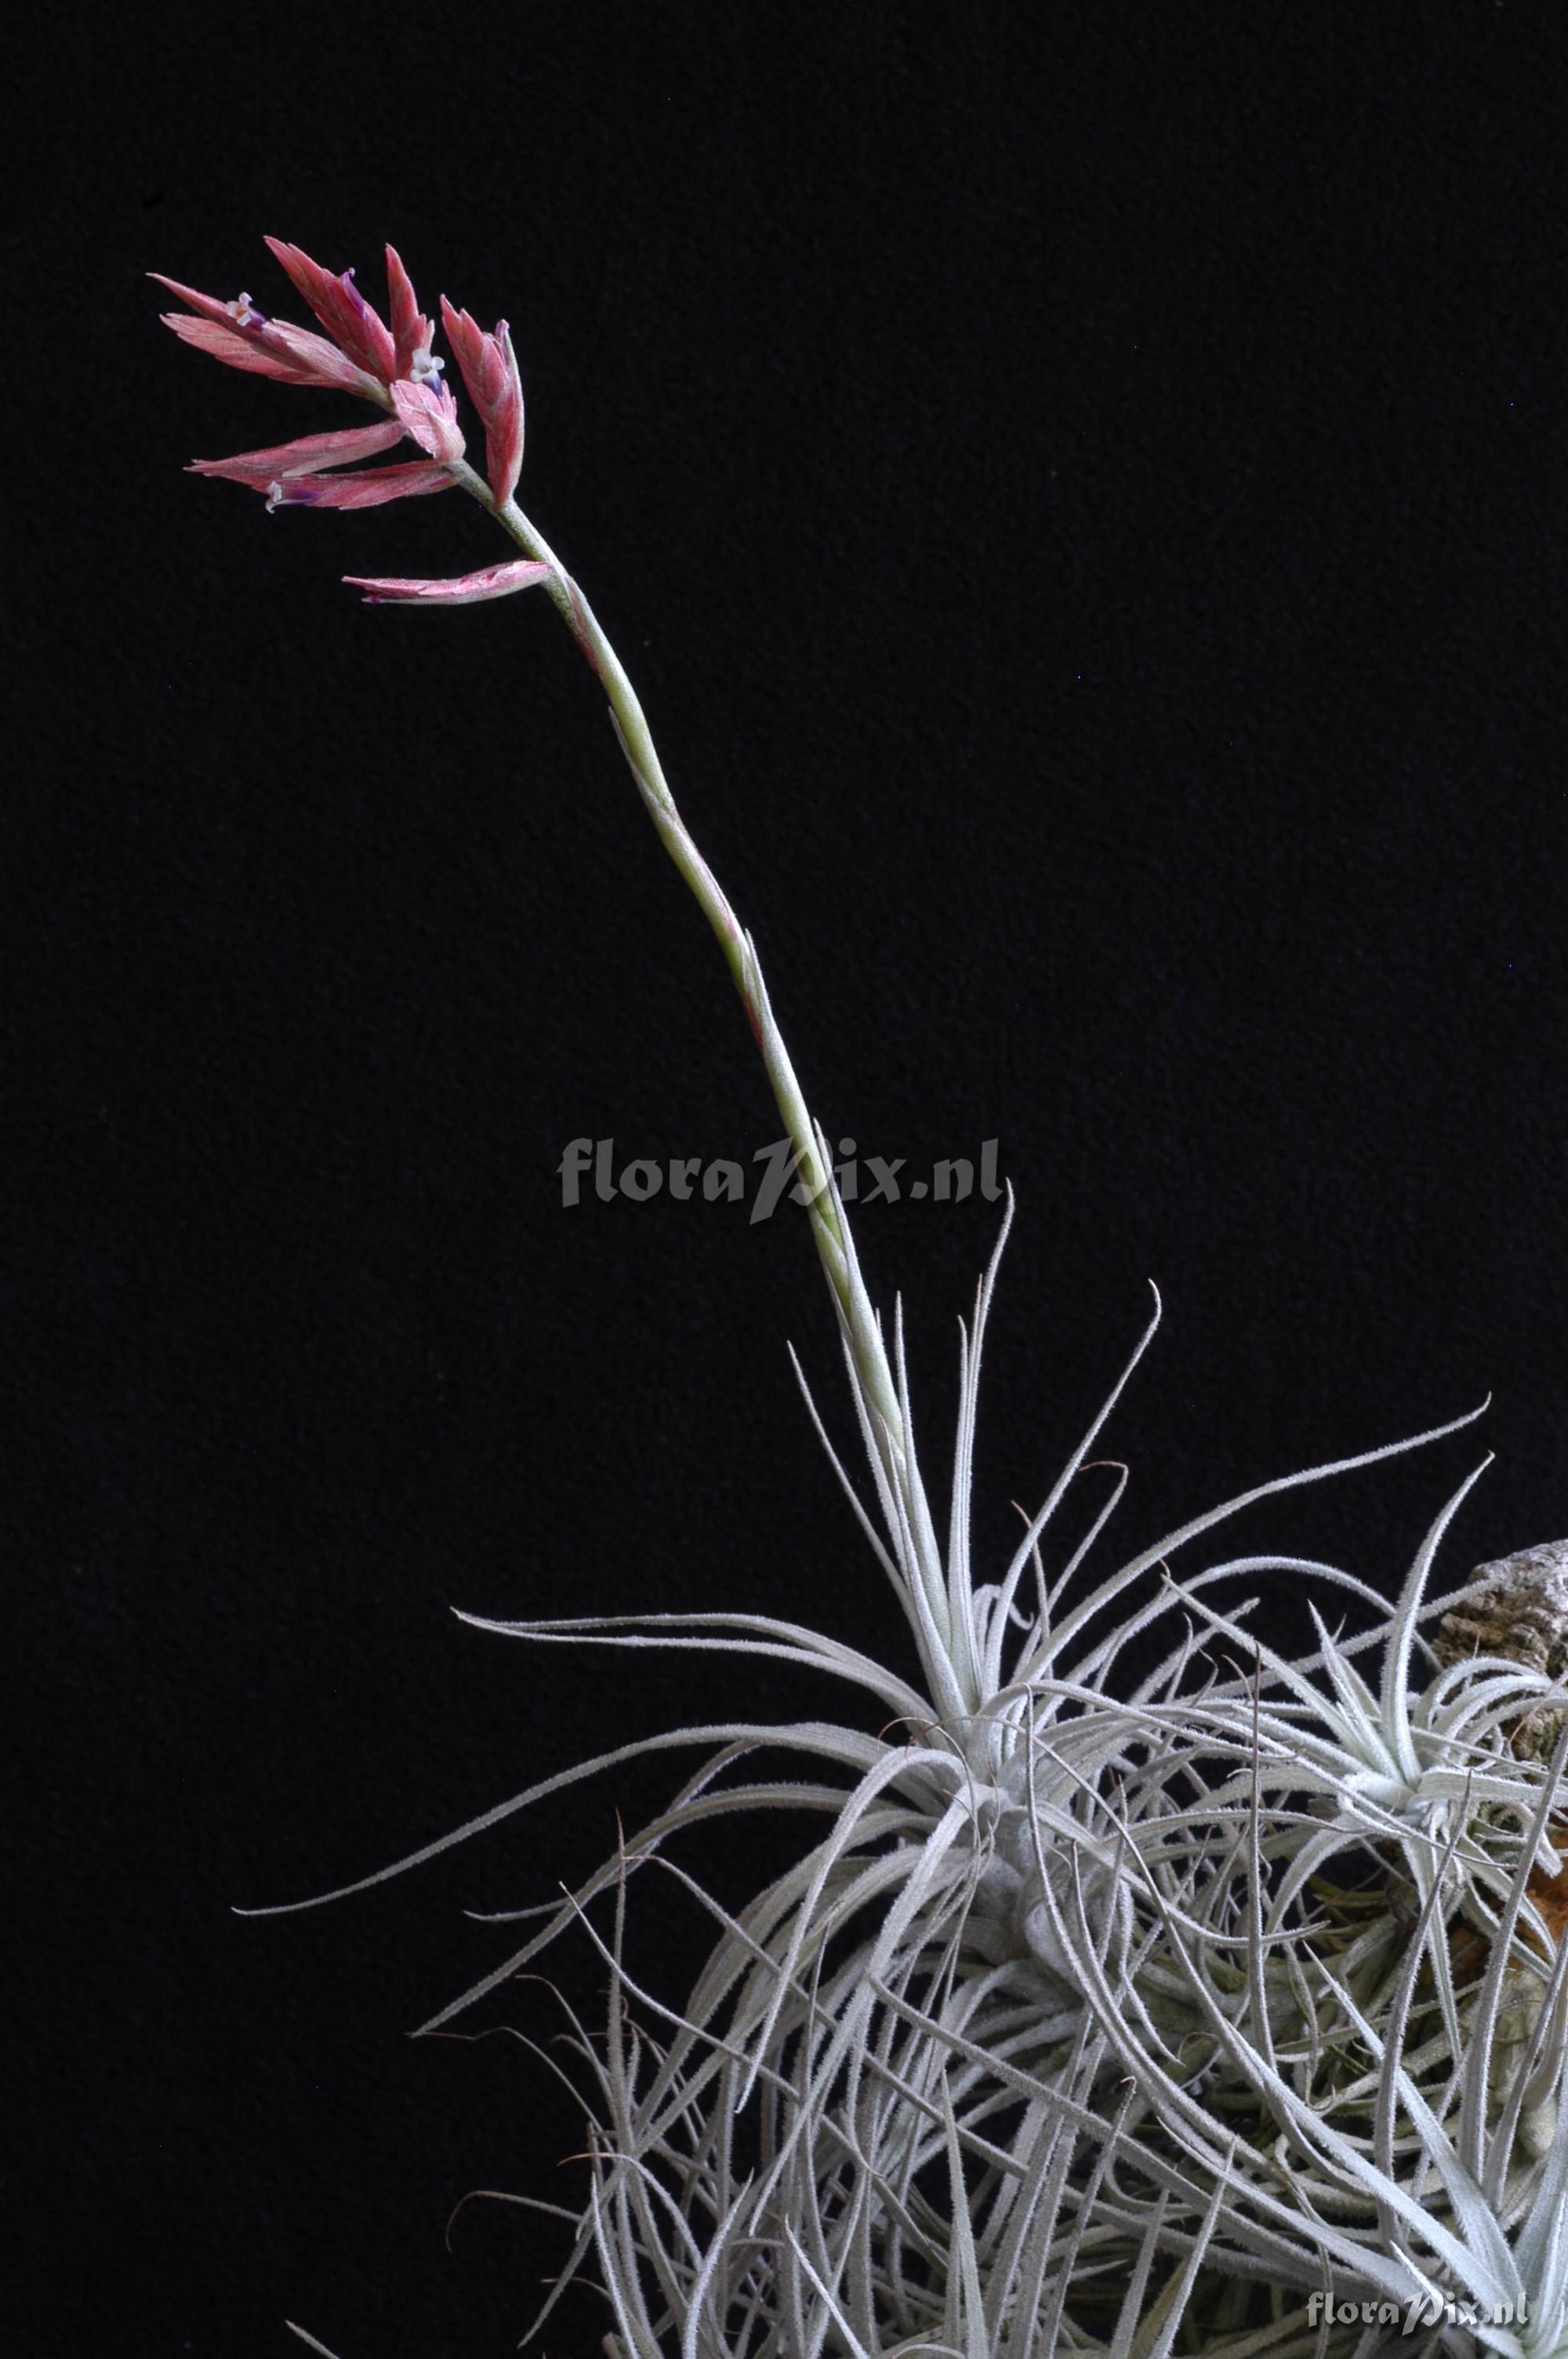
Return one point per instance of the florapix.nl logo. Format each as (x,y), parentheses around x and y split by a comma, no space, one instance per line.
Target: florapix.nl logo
(1422,2314)
(589,1168)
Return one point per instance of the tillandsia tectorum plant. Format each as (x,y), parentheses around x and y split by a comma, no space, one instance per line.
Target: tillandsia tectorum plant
(1218,2007)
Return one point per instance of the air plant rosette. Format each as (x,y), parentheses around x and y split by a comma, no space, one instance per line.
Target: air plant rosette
(1215,2006)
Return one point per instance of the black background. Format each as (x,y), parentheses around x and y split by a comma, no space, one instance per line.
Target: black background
(1080,493)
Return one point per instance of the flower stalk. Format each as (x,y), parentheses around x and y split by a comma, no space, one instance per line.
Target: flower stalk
(395,368)
(830,1225)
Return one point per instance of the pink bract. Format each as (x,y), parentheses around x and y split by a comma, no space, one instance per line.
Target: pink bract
(489,372)
(306,457)
(465,590)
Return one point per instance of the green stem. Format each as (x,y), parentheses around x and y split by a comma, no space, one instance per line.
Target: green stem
(827,1224)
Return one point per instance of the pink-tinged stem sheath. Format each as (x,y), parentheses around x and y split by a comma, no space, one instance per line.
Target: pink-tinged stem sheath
(467,590)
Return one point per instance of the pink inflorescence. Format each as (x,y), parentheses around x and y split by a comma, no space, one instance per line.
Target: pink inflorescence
(392,365)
